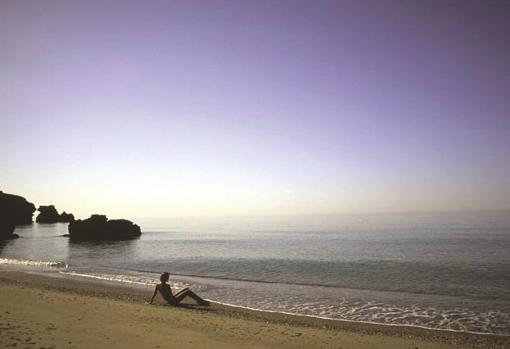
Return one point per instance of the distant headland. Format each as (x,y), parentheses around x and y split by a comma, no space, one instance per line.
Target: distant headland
(16,210)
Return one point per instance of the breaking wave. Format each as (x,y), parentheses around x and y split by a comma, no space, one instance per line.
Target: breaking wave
(33,263)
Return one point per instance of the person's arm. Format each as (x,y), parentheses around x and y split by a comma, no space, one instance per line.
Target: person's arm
(155,292)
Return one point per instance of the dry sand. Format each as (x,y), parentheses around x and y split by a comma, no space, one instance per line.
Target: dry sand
(46,312)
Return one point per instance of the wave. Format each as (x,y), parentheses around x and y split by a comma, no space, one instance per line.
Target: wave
(359,321)
(127,279)
(34,263)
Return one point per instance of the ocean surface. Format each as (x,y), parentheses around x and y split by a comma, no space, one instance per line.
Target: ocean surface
(446,271)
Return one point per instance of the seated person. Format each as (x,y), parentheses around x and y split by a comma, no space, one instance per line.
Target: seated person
(175,299)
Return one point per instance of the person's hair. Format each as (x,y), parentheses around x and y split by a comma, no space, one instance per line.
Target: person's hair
(164,277)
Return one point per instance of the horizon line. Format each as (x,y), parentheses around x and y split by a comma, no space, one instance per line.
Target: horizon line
(327,214)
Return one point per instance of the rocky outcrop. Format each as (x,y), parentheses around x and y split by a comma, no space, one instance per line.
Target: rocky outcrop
(98,227)
(49,214)
(14,210)
(7,231)
(66,217)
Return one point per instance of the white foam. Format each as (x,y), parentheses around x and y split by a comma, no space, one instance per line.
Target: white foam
(128,279)
(108,277)
(348,320)
(33,263)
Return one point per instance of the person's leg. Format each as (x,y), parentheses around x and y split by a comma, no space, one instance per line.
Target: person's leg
(180,292)
(179,296)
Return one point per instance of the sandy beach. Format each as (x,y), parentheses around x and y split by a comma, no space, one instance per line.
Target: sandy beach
(37,311)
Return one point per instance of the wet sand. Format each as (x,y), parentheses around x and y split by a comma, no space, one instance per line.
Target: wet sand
(39,311)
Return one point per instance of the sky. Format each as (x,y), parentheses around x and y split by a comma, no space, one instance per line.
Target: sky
(226,108)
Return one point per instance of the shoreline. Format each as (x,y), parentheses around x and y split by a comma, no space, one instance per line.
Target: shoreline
(368,323)
(136,296)
(312,317)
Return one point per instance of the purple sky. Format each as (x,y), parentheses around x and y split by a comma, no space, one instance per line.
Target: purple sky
(165,108)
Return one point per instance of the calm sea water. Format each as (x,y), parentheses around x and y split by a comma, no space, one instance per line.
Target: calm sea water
(447,271)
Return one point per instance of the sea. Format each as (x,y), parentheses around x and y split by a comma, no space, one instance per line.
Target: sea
(447,271)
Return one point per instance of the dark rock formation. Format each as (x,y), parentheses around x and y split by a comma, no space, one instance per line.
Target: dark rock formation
(66,217)
(98,227)
(14,210)
(7,231)
(49,214)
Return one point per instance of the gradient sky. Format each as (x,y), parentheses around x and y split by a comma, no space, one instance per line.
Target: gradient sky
(172,108)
